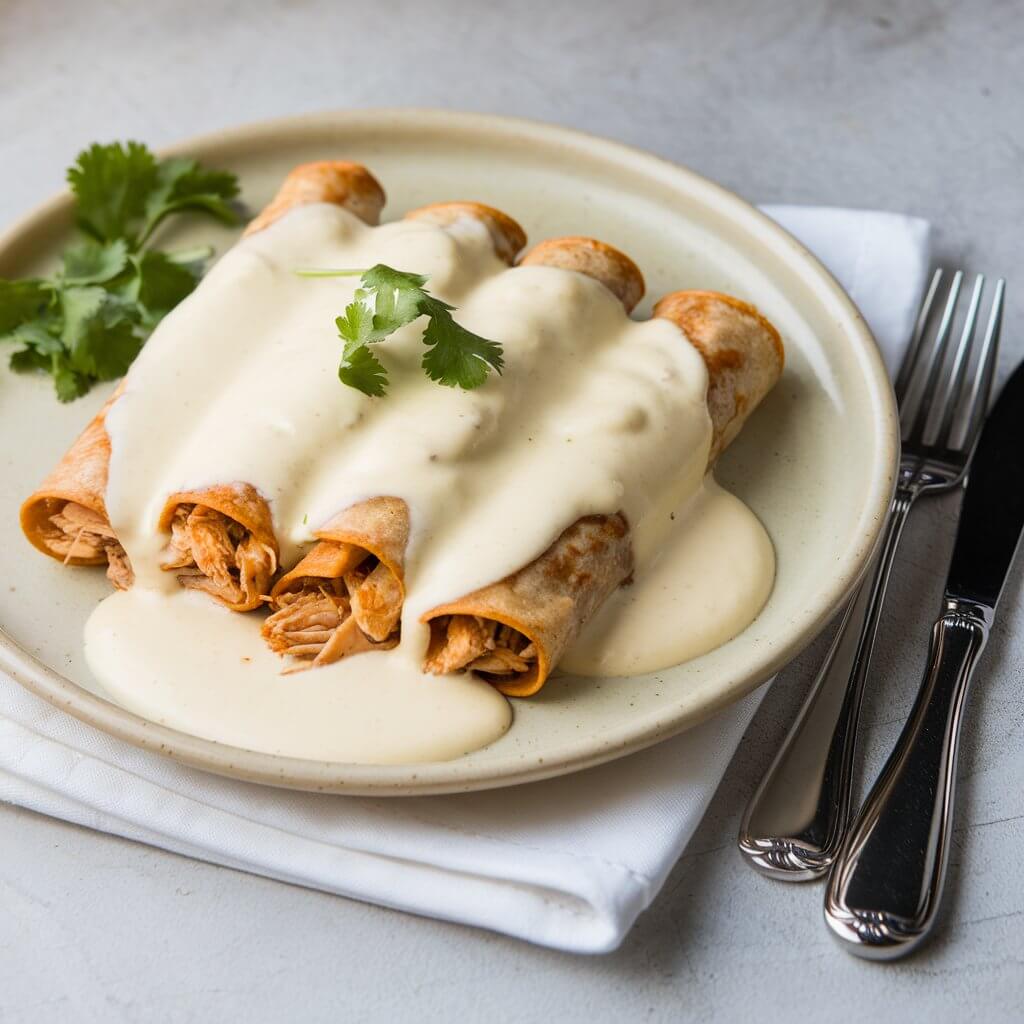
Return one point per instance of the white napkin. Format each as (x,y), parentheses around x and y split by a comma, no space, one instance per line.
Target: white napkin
(567,863)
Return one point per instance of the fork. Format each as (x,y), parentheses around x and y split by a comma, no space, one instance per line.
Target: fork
(795,822)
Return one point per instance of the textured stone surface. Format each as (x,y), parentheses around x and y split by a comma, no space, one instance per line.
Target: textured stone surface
(911,107)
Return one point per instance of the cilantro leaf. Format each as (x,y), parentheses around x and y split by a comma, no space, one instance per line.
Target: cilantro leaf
(21,301)
(92,262)
(38,347)
(36,335)
(69,383)
(112,184)
(87,322)
(79,305)
(100,333)
(160,283)
(383,276)
(183,185)
(359,367)
(123,191)
(362,325)
(355,325)
(398,298)
(109,348)
(93,339)
(362,370)
(392,310)
(25,360)
(390,299)
(457,357)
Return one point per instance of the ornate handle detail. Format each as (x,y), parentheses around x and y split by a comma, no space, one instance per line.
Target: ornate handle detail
(887,883)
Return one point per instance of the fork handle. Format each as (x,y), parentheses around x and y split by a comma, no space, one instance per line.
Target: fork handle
(885,889)
(794,824)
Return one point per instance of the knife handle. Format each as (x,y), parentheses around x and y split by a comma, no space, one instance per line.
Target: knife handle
(885,888)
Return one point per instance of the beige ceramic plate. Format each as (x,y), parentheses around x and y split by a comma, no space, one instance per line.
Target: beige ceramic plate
(816,462)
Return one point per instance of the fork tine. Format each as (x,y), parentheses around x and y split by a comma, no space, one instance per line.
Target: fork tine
(958,374)
(984,376)
(920,406)
(914,348)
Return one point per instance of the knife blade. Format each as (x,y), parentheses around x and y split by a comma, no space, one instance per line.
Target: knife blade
(992,516)
(885,888)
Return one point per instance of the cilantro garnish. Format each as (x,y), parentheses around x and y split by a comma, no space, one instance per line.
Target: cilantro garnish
(87,322)
(390,299)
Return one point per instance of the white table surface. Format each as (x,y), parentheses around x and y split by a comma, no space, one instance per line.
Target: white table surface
(916,109)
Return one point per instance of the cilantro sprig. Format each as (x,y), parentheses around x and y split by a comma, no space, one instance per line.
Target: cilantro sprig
(88,321)
(390,299)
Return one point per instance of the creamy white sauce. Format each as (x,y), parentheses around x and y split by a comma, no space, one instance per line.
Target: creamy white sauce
(706,583)
(595,413)
(190,664)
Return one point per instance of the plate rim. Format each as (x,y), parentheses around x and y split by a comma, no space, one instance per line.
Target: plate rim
(447,776)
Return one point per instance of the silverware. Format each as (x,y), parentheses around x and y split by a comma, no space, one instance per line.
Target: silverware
(795,822)
(887,882)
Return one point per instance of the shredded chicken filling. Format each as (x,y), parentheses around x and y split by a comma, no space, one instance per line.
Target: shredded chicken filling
(211,552)
(79,532)
(479,645)
(319,621)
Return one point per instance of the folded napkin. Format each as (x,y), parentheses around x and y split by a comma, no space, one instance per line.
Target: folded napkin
(567,863)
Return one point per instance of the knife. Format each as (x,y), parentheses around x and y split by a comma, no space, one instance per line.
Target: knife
(886,885)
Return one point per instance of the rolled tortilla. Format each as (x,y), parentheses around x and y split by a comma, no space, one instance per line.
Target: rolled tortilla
(604,263)
(221,542)
(66,517)
(345,596)
(339,182)
(742,351)
(513,632)
(508,237)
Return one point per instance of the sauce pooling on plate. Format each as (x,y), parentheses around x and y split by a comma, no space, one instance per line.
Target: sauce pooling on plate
(593,414)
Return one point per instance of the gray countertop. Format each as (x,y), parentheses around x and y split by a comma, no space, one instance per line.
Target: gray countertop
(913,107)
